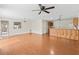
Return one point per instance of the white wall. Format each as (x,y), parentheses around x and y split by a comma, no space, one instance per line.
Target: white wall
(12,31)
(39,26)
(44,26)
(36,26)
(24,28)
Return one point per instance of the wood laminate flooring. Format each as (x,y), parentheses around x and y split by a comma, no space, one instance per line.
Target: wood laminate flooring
(35,44)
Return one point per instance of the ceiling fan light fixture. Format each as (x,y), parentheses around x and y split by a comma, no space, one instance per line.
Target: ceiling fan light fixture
(44,9)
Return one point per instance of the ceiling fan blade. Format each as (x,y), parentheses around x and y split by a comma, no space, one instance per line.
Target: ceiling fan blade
(46,11)
(35,10)
(39,13)
(40,5)
(49,8)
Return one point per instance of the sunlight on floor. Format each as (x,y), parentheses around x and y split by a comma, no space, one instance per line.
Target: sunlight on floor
(51,52)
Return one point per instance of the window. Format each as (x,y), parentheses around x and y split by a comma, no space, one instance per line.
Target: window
(17,25)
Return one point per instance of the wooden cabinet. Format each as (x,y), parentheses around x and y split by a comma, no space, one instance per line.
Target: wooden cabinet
(65,33)
(75,21)
(50,24)
(78,21)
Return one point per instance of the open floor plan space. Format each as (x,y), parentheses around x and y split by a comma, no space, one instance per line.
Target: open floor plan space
(39,29)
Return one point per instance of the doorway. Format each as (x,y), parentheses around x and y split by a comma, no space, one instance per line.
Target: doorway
(50,25)
(4,28)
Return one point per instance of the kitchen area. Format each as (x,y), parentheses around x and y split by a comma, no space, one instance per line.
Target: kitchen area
(65,28)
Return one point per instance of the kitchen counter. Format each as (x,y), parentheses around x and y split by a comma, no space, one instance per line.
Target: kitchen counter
(64,33)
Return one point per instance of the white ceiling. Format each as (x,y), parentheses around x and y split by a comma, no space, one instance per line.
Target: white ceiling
(25,11)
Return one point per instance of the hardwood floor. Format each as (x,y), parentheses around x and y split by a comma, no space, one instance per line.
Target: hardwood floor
(34,44)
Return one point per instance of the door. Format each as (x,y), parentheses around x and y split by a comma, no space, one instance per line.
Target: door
(4,28)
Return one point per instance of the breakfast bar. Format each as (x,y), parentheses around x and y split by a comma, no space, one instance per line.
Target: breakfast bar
(65,33)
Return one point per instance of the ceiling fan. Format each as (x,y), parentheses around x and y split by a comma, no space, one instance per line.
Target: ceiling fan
(44,9)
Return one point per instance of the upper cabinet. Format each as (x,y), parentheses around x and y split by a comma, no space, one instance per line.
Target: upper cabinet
(50,24)
(78,21)
(75,21)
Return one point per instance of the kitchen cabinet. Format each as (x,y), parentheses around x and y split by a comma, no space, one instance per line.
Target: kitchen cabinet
(72,34)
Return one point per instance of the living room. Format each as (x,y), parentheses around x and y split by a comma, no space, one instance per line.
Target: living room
(34,29)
